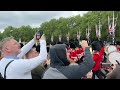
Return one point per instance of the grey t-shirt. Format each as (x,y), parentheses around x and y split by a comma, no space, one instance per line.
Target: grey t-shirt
(53,73)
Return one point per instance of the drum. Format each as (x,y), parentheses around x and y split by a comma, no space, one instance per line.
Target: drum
(113,55)
(110,48)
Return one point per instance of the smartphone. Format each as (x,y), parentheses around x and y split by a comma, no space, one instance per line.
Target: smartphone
(39,34)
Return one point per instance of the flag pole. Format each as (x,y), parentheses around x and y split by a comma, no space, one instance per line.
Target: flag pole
(113,28)
(88,33)
(99,32)
(99,27)
(96,31)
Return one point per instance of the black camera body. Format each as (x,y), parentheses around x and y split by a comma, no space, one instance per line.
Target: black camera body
(39,34)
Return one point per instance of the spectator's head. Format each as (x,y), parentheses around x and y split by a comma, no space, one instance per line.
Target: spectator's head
(58,55)
(32,53)
(37,48)
(10,47)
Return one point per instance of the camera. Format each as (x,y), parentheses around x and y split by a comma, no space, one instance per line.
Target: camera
(39,34)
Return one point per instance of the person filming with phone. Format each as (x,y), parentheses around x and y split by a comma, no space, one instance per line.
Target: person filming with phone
(60,67)
(20,68)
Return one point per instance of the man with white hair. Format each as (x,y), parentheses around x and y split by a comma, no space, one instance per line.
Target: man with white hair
(19,68)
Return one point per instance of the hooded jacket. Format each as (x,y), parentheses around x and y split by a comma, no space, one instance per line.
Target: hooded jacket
(60,68)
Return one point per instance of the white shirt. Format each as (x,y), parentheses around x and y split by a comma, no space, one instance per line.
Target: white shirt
(21,68)
(26,48)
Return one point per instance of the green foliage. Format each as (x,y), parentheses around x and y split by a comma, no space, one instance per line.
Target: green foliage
(65,25)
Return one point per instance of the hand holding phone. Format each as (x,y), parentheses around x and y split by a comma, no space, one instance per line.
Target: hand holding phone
(39,34)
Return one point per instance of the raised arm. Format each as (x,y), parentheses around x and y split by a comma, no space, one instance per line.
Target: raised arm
(26,48)
(28,65)
(78,71)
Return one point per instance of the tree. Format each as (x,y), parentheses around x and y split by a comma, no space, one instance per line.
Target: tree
(65,25)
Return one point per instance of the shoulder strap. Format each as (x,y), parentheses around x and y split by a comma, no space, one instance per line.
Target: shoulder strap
(6,68)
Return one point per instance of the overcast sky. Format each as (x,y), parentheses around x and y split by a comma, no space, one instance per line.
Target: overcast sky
(32,18)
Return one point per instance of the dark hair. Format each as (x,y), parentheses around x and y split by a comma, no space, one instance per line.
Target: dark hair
(96,46)
(52,43)
(67,45)
(59,42)
(48,48)
(72,45)
(118,43)
(21,45)
(76,43)
(38,48)
(34,46)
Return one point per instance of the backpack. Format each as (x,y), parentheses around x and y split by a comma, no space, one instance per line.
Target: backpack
(1,77)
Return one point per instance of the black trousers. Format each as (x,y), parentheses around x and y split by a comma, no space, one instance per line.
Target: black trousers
(99,74)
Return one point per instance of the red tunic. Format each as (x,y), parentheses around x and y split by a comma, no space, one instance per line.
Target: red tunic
(101,53)
(97,59)
(73,54)
(79,52)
